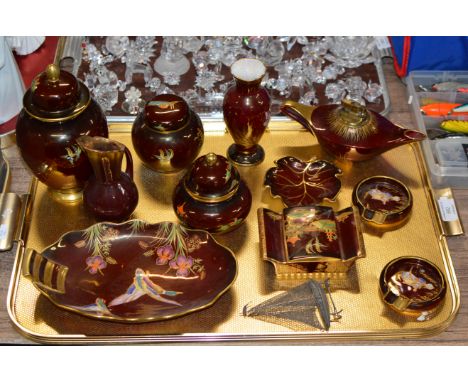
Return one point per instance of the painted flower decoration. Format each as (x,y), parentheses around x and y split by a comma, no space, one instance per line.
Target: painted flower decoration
(95,264)
(182,264)
(165,254)
(302,183)
(193,243)
(110,234)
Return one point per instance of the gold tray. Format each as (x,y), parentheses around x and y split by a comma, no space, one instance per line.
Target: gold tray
(365,316)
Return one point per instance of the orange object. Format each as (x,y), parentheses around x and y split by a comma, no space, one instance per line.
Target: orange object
(438,109)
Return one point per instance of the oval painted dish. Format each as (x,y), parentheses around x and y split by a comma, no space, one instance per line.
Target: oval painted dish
(302,183)
(133,271)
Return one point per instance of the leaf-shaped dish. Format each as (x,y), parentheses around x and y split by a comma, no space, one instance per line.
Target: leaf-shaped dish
(302,183)
(133,271)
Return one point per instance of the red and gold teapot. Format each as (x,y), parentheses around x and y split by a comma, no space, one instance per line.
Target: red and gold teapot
(350,131)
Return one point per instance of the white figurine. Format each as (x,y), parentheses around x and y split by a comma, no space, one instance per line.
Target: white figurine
(11,84)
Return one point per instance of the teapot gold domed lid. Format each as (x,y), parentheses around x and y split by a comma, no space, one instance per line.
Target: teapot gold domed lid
(212,179)
(166,113)
(56,95)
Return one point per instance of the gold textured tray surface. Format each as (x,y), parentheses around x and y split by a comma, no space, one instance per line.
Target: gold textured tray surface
(364,313)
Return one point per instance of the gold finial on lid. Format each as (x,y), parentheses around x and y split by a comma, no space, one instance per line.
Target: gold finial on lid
(52,73)
(352,121)
(211,159)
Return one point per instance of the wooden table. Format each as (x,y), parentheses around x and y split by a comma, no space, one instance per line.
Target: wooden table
(456,334)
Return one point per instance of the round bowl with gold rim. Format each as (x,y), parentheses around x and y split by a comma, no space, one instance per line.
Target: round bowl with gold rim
(412,285)
(383,201)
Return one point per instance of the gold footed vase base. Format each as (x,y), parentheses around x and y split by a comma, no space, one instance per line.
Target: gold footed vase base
(253,157)
(71,196)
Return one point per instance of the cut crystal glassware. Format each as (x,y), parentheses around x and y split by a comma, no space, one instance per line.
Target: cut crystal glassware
(172,58)
(350,51)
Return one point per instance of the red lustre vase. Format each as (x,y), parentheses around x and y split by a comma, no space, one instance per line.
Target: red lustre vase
(246,109)
(167,135)
(212,196)
(58,109)
(110,194)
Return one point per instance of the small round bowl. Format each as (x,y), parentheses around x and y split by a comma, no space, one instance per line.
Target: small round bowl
(383,201)
(412,285)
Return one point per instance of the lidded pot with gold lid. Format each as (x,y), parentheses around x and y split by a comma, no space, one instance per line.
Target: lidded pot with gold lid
(58,109)
(212,196)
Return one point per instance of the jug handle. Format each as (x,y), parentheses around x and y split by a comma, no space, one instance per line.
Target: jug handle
(299,112)
(129,160)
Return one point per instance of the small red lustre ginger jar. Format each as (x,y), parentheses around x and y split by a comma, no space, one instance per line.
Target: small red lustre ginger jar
(212,196)
(167,135)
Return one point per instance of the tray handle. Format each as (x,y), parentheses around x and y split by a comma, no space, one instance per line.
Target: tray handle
(10,206)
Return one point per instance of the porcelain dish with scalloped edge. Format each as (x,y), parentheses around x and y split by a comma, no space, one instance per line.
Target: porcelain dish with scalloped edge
(133,271)
(302,183)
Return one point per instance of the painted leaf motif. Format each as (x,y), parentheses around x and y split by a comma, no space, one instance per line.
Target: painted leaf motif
(111,260)
(301,183)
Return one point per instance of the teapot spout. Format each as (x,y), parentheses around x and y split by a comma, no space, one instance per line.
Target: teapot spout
(405,136)
(300,113)
(413,135)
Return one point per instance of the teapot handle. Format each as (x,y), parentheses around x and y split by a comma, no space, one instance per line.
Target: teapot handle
(299,112)
(129,160)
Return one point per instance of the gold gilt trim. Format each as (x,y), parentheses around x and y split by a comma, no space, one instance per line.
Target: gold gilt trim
(211,199)
(34,112)
(27,260)
(76,112)
(359,234)
(61,277)
(352,121)
(46,283)
(48,273)
(36,267)
(380,217)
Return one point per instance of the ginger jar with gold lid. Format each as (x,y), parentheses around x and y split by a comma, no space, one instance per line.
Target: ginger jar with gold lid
(58,109)
(212,196)
(167,135)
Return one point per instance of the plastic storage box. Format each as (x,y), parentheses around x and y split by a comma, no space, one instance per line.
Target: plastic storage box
(445,155)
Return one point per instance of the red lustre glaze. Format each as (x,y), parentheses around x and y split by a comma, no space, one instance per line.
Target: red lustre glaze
(212,196)
(50,149)
(133,271)
(220,217)
(350,131)
(314,238)
(382,200)
(212,176)
(60,95)
(167,135)
(418,282)
(246,109)
(48,126)
(110,194)
(302,183)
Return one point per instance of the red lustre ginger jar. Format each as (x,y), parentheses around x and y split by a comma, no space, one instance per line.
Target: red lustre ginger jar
(167,135)
(57,110)
(212,196)
(246,109)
